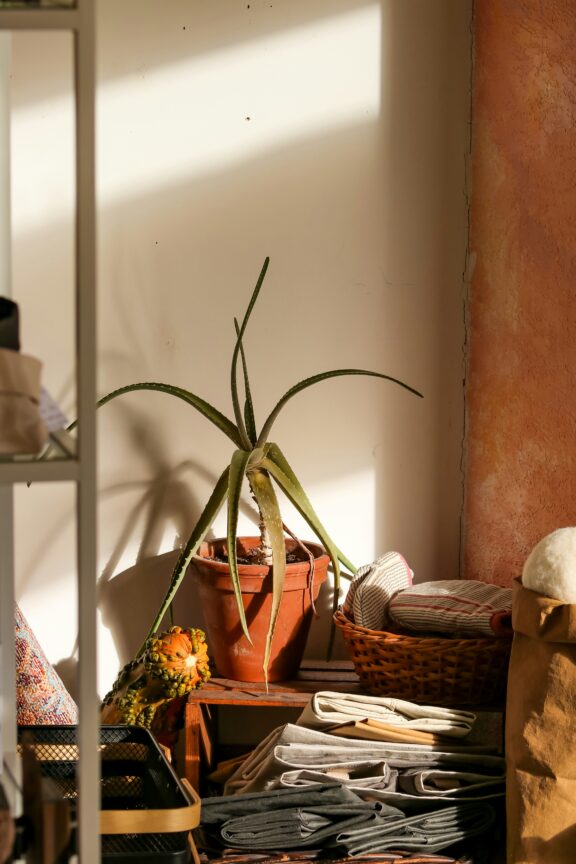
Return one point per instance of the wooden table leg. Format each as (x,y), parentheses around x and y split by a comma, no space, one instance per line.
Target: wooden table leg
(198,745)
(192,737)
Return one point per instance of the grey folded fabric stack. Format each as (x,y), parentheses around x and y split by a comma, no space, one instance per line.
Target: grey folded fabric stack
(301,827)
(428,832)
(332,816)
(219,809)
(289,818)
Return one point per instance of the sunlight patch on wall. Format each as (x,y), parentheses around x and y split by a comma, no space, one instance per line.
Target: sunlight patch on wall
(174,123)
(341,504)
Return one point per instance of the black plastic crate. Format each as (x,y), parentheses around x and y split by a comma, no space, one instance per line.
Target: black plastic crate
(146,812)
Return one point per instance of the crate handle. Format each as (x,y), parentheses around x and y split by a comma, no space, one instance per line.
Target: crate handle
(164,821)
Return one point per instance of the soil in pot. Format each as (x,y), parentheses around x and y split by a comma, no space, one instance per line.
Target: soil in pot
(233,655)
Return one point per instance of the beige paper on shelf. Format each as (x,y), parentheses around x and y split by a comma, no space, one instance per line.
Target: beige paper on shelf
(377,731)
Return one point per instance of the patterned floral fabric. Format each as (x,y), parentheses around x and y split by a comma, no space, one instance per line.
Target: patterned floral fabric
(41,696)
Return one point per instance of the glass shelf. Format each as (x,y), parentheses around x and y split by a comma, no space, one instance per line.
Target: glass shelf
(44,15)
(38,4)
(61,446)
(57,462)
(36,470)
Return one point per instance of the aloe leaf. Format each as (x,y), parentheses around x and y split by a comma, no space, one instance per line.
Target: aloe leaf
(207,410)
(248,404)
(198,534)
(272,452)
(315,379)
(270,511)
(296,495)
(237,471)
(233,382)
(275,464)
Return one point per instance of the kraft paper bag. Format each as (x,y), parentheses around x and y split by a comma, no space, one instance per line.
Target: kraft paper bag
(22,430)
(541,731)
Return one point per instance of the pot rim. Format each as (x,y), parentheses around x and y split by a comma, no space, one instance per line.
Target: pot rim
(261,570)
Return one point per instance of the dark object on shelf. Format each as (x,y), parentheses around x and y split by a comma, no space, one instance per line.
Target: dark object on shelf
(9,325)
(433,670)
(146,814)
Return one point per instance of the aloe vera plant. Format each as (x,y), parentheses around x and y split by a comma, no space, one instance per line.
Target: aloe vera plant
(262,464)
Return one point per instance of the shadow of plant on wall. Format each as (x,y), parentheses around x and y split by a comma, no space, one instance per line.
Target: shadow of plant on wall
(263,465)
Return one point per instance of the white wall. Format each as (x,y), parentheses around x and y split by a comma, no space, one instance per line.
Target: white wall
(328,134)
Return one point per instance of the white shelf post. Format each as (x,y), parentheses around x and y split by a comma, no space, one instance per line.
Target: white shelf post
(80,21)
(89,725)
(8,732)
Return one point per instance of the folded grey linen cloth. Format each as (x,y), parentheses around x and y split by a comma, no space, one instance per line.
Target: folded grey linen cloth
(408,799)
(303,827)
(327,708)
(292,748)
(367,775)
(219,809)
(418,781)
(428,832)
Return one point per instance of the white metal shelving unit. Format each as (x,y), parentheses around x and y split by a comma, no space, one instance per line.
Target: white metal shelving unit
(79,20)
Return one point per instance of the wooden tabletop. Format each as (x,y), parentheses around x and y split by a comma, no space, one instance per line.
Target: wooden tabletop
(313,675)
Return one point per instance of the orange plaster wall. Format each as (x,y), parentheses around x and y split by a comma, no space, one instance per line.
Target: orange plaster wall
(521,384)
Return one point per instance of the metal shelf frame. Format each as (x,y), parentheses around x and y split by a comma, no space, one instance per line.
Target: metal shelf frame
(81,471)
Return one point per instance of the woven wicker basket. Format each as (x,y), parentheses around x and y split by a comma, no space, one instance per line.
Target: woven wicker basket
(434,670)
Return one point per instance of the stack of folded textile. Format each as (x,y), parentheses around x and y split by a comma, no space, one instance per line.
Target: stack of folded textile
(415,786)
(330,816)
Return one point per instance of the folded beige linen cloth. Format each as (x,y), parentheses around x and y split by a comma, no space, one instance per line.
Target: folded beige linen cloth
(327,708)
(288,755)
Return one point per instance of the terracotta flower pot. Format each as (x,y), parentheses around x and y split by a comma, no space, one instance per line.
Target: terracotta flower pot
(233,655)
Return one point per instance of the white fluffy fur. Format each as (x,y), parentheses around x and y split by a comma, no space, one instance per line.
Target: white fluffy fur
(550,568)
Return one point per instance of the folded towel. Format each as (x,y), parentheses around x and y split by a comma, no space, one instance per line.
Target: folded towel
(373,587)
(356,775)
(428,782)
(298,828)
(327,708)
(220,809)
(429,832)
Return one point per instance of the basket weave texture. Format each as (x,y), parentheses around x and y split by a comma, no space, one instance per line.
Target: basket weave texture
(433,670)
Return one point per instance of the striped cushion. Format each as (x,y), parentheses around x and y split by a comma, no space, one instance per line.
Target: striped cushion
(454,606)
(373,587)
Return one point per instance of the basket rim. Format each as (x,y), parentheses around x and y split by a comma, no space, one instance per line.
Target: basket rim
(342,621)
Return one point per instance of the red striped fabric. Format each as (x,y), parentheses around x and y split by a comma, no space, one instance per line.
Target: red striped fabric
(454,606)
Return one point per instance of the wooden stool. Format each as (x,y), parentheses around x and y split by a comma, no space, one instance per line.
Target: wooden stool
(313,675)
